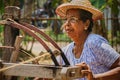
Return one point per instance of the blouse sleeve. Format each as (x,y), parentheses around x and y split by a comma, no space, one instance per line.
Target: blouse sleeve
(104,52)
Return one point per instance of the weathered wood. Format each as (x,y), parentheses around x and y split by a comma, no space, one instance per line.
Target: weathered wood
(15,52)
(1,74)
(10,33)
(31,70)
(43,71)
(17,48)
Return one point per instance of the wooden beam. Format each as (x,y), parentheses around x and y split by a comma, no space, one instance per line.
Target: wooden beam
(43,71)
(32,70)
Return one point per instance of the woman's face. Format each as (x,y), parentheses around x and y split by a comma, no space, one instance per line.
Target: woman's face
(73,26)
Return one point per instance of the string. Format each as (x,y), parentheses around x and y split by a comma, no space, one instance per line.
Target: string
(30,60)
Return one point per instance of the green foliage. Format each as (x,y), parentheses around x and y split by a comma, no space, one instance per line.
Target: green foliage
(100,4)
(55,3)
(1,28)
(114,6)
(59,37)
(1,36)
(1,6)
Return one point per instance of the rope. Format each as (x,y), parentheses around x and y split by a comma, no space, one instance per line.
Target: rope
(30,60)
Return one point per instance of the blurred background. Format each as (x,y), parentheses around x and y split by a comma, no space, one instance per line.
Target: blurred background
(41,13)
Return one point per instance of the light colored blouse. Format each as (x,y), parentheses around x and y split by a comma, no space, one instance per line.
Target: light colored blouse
(97,53)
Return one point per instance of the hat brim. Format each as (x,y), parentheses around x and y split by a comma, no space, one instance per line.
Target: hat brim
(62,9)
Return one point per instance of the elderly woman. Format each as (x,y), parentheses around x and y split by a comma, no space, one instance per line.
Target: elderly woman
(91,51)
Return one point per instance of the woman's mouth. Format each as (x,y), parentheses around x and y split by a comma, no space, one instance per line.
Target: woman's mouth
(69,31)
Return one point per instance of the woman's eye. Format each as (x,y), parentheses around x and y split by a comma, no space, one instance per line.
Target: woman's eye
(72,20)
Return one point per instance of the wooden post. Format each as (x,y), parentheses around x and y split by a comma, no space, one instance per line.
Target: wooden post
(1,66)
(17,48)
(15,53)
(10,33)
(42,71)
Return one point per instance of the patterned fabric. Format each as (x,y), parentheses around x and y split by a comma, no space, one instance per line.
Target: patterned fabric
(97,53)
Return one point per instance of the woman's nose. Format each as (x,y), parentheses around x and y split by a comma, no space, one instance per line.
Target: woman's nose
(67,23)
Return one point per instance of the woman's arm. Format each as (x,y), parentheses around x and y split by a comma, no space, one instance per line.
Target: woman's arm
(112,74)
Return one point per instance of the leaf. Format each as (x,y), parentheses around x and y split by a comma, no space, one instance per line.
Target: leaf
(1,28)
(1,6)
(100,4)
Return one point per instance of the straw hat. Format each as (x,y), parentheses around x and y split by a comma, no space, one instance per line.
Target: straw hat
(80,4)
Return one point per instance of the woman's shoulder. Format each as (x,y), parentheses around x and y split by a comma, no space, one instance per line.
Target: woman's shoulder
(70,45)
(96,39)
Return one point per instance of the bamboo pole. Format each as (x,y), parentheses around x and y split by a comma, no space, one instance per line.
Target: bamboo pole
(17,48)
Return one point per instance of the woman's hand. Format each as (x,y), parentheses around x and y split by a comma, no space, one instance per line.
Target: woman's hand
(86,72)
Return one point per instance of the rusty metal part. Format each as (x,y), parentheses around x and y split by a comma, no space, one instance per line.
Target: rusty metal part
(37,19)
(49,39)
(27,30)
(70,73)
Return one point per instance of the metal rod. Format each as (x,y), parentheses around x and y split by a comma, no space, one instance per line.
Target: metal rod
(49,39)
(27,30)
